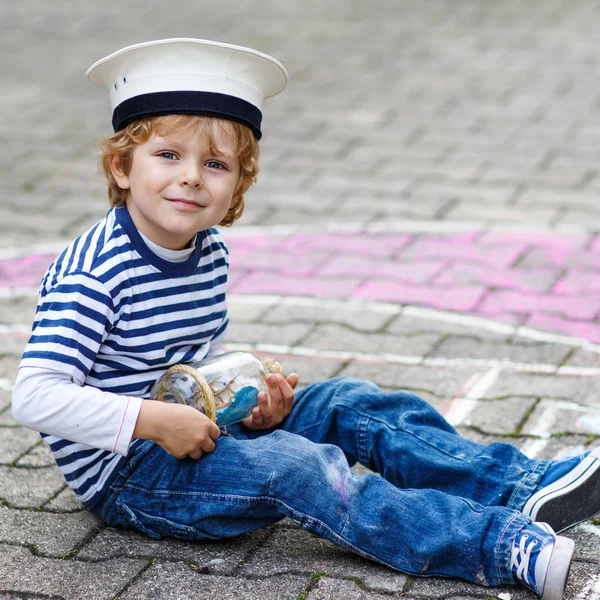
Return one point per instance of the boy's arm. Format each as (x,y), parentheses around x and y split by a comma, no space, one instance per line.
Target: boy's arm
(48,401)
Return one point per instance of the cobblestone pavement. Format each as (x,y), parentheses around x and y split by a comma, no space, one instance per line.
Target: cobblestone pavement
(426,217)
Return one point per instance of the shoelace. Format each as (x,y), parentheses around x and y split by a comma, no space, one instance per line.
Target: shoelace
(520,556)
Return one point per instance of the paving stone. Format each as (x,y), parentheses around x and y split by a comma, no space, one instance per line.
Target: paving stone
(444,383)
(333,589)
(584,581)
(15,441)
(17,311)
(21,572)
(499,416)
(357,317)
(541,258)
(333,337)
(29,488)
(65,501)
(582,390)
(38,456)
(588,329)
(274,283)
(260,333)
(221,557)
(540,280)
(13,342)
(5,401)
(465,210)
(518,351)
(297,551)
(177,581)
(586,308)
(587,537)
(50,534)
(405,324)
(454,298)
(556,416)
(395,206)
(6,417)
(583,358)
(435,588)
(9,366)
(496,195)
(554,448)
(242,311)
(310,369)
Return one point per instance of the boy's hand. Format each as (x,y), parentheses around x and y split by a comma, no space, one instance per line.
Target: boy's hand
(181,430)
(276,405)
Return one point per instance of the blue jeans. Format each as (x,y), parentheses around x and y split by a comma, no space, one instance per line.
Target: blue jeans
(443,506)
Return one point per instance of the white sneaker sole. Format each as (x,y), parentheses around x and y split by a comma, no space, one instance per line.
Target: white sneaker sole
(558,569)
(571,499)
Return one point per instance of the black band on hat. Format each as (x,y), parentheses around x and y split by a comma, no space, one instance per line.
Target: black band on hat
(210,104)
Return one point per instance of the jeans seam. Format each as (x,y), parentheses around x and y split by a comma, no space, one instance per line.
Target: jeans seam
(363,440)
(529,480)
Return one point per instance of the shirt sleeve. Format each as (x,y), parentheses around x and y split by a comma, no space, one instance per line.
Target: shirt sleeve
(72,321)
(50,402)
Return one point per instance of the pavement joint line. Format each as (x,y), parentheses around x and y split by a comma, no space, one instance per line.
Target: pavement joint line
(461,406)
(362,357)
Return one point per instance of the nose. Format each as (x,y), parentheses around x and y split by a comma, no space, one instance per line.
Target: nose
(191,176)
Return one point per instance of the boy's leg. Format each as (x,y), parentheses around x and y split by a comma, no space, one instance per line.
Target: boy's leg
(249,483)
(402,437)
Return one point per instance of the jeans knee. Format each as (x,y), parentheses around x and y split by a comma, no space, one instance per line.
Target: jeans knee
(307,467)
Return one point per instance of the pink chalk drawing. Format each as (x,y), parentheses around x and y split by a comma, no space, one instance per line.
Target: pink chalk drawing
(547,281)
(24,271)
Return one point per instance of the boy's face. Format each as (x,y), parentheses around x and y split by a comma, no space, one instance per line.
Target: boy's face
(178,187)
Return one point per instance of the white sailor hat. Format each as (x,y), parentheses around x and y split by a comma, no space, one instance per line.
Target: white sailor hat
(189,76)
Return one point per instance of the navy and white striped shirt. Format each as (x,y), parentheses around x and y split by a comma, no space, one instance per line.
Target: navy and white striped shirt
(114,315)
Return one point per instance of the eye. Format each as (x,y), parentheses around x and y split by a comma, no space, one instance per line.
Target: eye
(214,164)
(168,155)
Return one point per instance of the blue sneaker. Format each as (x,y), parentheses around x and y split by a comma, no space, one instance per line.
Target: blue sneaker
(568,493)
(541,560)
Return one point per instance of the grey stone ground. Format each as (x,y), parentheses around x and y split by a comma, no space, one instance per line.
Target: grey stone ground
(439,111)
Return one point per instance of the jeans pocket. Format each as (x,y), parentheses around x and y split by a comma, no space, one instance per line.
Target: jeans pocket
(153,526)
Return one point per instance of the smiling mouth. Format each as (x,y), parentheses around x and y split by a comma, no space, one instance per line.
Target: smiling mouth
(185,202)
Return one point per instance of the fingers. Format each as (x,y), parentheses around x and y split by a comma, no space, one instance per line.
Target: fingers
(292,379)
(214,432)
(195,454)
(205,446)
(286,391)
(262,415)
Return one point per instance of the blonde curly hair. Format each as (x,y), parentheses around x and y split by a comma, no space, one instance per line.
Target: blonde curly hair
(122,144)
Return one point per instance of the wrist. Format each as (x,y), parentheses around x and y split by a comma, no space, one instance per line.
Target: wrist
(151,414)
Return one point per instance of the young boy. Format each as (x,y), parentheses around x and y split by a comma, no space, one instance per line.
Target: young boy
(144,289)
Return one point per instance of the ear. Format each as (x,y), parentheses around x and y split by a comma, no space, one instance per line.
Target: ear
(120,176)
